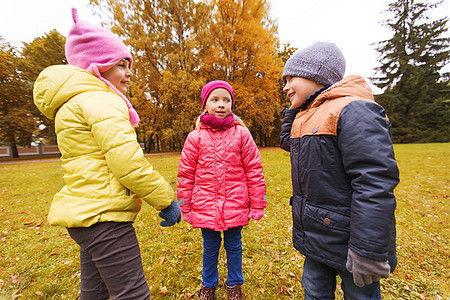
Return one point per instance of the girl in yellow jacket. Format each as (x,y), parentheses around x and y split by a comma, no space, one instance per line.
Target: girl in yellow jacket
(105,171)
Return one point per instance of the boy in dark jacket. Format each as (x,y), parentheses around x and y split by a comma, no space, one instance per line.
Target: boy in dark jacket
(343,176)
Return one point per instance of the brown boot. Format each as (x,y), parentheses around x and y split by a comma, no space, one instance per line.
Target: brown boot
(207,293)
(235,292)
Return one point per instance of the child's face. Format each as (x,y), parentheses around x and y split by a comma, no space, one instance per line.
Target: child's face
(219,103)
(119,75)
(299,89)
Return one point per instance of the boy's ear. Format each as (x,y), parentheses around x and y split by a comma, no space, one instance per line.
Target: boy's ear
(205,111)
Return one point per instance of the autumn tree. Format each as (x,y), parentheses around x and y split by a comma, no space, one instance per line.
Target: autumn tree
(179,45)
(16,122)
(241,50)
(416,95)
(284,52)
(164,37)
(42,52)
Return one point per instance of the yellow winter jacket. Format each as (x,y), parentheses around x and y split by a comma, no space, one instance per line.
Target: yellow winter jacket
(105,171)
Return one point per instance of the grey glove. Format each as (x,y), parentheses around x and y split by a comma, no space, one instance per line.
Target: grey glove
(171,214)
(364,270)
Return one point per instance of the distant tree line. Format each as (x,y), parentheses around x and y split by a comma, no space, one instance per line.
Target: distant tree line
(179,45)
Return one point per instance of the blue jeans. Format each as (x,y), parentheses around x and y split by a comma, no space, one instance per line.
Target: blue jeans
(319,282)
(233,247)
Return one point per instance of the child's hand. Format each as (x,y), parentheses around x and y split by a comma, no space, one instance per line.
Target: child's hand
(365,270)
(187,217)
(256,213)
(171,215)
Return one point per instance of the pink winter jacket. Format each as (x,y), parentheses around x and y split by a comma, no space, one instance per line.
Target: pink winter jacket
(220,177)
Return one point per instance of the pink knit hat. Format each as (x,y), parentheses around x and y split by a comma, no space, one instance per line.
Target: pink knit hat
(96,50)
(216,84)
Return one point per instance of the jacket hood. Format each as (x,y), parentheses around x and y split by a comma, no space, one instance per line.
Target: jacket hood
(350,86)
(57,84)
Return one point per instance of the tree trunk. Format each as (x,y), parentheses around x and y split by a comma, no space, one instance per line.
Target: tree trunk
(158,146)
(14,151)
(261,136)
(149,145)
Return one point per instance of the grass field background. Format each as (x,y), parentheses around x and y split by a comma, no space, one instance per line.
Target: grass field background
(38,261)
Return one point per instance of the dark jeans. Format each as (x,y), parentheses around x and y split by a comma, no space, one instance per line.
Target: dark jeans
(233,247)
(319,282)
(110,261)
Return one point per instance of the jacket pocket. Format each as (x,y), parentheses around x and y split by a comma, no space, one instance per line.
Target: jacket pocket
(326,235)
(322,219)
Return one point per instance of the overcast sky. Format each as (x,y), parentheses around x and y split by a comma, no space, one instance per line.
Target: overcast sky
(354,25)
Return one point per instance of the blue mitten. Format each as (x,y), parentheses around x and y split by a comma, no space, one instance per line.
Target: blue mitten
(171,215)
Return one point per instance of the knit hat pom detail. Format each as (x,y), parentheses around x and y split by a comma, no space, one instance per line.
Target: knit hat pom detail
(74,15)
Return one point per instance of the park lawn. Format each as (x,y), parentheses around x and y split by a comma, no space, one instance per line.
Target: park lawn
(38,261)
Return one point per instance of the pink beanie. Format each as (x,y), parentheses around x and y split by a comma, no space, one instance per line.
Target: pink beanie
(96,50)
(216,84)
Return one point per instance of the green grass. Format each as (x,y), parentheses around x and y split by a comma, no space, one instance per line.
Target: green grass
(38,261)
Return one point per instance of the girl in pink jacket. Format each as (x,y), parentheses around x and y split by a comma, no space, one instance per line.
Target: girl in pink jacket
(220,185)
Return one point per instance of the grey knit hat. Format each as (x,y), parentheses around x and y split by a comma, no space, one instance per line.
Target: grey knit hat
(322,62)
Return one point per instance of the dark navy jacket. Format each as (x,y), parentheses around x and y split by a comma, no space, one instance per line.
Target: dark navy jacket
(343,175)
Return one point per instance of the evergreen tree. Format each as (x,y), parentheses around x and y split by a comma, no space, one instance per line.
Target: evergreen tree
(415,92)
